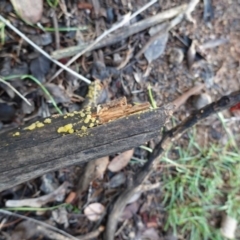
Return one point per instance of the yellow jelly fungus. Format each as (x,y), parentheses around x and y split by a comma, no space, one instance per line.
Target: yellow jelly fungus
(47,120)
(34,125)
(71,131)
(16,134)
(88,116)
(39,124)
(86,120)
(66,129)
(83,128)
(65,116)
(91,125)
(93,119)
(31,127)
(82,114)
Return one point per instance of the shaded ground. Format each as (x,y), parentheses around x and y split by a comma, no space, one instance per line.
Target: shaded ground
(187,197)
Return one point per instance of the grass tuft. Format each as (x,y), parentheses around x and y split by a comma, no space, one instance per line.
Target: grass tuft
(52,3)
(39,84)
(201,183)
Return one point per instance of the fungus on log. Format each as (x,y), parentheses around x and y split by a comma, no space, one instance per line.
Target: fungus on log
(77,137)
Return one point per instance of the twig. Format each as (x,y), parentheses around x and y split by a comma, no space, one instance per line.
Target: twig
(184,97)
(42,51)
(168,136)
(16,91)
(56,30)
(191,6)
(67,236)
(123,33)
(125,20)
(40,201)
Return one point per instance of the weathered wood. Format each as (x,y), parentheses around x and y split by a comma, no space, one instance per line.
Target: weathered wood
(38,151)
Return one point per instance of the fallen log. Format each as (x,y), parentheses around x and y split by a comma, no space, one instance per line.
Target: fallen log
(64,140)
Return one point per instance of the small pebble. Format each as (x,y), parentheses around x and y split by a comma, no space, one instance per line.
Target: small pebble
(201,100)
(176,56)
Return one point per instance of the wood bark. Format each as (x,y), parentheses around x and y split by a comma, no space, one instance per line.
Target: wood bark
(41,150)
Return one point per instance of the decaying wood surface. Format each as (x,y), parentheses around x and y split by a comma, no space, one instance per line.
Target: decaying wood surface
(77,137)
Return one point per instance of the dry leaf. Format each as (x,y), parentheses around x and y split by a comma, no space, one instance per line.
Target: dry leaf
(94,169)
(60,216)
(29,10)
(39,67)
(94,211)
(117,180)
(129,211)
(58,93)
(120,161)
(157,48)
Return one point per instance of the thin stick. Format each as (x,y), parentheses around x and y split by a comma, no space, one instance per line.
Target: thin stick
(8,23)
(55,24)
(125,20)
(68,236)
(16,91)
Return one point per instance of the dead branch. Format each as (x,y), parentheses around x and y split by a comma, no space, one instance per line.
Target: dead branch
(168,136)
(78,137)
